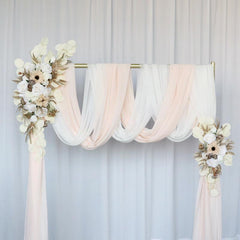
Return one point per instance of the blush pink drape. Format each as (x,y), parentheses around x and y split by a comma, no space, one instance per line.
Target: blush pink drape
(120,100)
(36,221)
(175,102)
(208,219)
(117,103)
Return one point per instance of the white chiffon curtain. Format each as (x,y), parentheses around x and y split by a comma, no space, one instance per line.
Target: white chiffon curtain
(119,191)
(173,96)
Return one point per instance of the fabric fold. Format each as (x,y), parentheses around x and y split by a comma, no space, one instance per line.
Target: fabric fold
(104,95)
(36,220)
(208,213)
(170,95)
(174,103)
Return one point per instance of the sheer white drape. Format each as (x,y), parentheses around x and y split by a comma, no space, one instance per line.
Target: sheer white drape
(119,191)
(132,114)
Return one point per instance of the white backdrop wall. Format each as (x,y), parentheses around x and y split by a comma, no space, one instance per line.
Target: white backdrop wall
(119,191)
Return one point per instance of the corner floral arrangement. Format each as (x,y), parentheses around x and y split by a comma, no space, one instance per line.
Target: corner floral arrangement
(38,85)
(215,149)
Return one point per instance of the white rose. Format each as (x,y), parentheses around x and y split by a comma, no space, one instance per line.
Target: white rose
(212,162)
(38,89)
(226,130)
(20,72)
(29,67)
(227,160)
(46,68)
(41,112)
(40,124)
(197,132)
(29,96)
(22,86)
(30,107)
(33,118)
(19,63)
(209,137)
(23,128)
(47,76)
(220,158)
(222,150)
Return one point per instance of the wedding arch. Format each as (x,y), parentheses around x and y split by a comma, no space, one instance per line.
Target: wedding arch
(176,97)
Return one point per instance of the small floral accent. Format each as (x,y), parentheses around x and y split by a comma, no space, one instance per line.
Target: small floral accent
(37,76)
(214,150)
(42,101)
(38,83)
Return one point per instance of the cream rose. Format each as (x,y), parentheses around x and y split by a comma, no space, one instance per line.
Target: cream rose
(30,107)
(38,89)
(222,150)
(212,162)
(19,63)
(226,130)
(29,67)
(22,86)
(33,118)
(209,138)
(227,160)
(41,112)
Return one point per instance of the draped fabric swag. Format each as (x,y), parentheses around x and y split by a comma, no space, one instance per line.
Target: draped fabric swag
(174,97)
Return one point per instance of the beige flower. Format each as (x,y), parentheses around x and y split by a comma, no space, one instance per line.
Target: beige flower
(37,76)
(42,101)
(213,148)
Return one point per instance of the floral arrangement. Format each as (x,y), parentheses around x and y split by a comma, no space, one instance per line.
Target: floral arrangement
(38,85)
(215,149)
